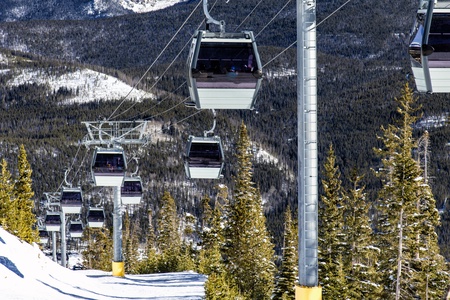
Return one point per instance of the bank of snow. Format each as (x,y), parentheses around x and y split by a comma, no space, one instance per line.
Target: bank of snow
(26,273)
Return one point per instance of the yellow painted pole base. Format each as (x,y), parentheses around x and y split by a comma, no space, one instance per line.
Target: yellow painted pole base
(118,269)
(308,293)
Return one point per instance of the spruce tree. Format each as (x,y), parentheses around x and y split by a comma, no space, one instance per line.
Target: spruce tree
(331,230)
(210,257)
(98,253)
(130,245)
(168,239)
(150,262)
(218,287)
(24,226)
(6,194)
(362,255)
(287,276)
(406,222)
(248,249)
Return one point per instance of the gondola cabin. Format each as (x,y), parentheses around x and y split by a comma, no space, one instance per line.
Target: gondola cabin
(108,167)
(224,70)
(76,229)
(429,47)
(53,221)
(43,236)
(204,158)
(131,190)
(71,200)
(96,217)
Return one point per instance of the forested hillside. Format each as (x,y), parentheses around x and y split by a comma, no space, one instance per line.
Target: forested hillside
(362,66)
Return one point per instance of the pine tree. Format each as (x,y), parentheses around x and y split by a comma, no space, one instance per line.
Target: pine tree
(150,262)
(362,256)
(331,231)
(405,215)
(248,249)
(218,287)
(99,250)
(169,239)
(210,257)
(287,277)
(24,226)
(130,245)
(6,194)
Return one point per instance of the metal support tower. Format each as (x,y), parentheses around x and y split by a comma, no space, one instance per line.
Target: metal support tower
(117,225)
(54,241)
(63,240)
(308,288)
(116,133)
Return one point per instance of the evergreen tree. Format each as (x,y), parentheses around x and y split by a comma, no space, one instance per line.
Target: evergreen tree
(206,211)
(169,239)
(6,194)
(248,249)
(150,263)
(130,244)
(98,253)
(210,257)
(287,277)
(362,255)
(331,231)
(405,215)
(24,226)
(218,287)
(430,265)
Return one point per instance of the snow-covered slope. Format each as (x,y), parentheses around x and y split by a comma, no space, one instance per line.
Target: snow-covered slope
(141,6)
(18,10)
(26,273)
(86,85)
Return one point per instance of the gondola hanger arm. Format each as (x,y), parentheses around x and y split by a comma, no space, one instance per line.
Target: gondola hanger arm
(205,133)
(65,178)
(211,20)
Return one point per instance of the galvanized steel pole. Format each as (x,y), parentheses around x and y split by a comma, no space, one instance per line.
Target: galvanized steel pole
(118,269)
(54,241)
(308,288)
(63,240)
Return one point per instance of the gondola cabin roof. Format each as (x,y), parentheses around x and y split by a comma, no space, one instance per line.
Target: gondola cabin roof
(53,221)
(108,167)
(96,217)
(204,157)
(76,229)
(224,70)
(71,200)
(429,48)
(131,190)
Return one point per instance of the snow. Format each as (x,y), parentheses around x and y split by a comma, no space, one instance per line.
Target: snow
(86,85)
(27,273)
(143,6)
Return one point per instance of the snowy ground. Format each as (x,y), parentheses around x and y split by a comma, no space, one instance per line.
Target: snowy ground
(26,273)
(88,85)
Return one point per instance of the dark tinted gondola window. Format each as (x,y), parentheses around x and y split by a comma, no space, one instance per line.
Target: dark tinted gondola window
(96,215)
(53,219)
(439,37)
(220,58)
(109,162)
(205,150)
(43,233)
(131,187)
(76,227)
(71,197)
